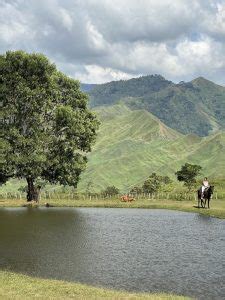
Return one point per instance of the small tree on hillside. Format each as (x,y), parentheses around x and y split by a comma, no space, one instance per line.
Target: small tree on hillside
(188,174)
(46,128)
(89,187)
(136,190)
(166,180)
(111,191)
(152,184)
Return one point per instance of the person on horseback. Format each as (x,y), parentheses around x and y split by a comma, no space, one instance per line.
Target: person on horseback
(205,185)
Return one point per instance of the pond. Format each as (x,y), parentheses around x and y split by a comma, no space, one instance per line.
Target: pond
(129,249)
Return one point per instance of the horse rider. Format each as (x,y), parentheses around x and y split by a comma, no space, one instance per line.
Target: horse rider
(205,185)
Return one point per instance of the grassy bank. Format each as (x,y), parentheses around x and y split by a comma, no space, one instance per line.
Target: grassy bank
(18,286)
(217,206)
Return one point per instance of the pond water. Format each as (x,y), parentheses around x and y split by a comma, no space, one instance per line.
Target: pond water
(129,249)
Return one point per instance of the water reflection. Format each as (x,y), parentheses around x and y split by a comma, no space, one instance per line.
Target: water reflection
(132,249)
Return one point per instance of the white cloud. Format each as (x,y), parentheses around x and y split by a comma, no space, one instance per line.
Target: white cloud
(97,74)
(66,19)
(13,26)
(201,55)
(96,39)
(214,24)
(103,40)
(144,19)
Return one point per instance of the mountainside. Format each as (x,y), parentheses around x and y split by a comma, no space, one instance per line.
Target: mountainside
(110,92)
(193,107)
(133,144)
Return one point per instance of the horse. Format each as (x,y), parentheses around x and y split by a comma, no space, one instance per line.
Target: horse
(206,196)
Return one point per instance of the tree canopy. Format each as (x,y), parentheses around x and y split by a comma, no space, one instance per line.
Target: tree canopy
(111,191)
(46,127)
(188,174)
(154,182)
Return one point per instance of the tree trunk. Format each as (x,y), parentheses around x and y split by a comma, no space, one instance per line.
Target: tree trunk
(32,191)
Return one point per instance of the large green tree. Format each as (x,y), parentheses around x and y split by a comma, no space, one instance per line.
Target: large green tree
(188,174)
(46,127)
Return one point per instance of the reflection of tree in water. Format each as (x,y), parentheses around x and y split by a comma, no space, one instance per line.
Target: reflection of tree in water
(39,241)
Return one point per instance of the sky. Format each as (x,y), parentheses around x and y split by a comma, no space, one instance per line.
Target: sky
(98,41)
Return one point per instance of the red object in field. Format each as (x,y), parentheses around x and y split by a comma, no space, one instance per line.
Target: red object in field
(127,198)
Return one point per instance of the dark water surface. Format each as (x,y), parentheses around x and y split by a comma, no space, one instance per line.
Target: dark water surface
(131,249)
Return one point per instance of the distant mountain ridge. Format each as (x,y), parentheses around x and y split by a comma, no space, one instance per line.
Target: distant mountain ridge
(195,107)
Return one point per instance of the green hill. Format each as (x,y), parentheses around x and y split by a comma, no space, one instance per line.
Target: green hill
(133,144)
(193,107)
(211,154)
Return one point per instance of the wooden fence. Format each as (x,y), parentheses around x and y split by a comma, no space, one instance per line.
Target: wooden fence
(45,195)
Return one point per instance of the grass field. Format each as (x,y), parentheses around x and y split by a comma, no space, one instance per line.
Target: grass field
(217,206)
(19,286)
